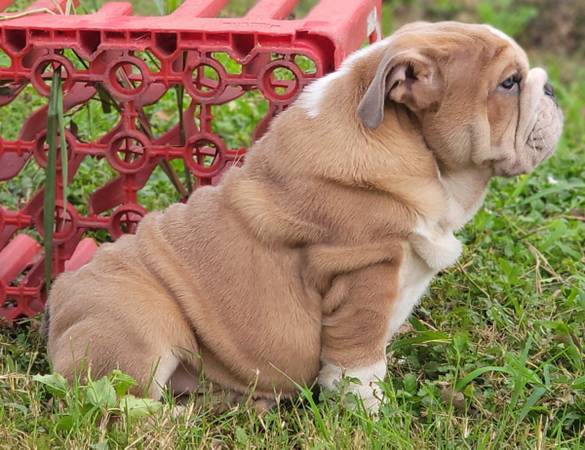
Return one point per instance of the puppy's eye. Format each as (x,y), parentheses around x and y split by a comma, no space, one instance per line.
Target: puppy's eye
(510,83)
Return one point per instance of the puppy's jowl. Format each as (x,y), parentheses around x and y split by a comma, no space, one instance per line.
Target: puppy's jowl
(302,264)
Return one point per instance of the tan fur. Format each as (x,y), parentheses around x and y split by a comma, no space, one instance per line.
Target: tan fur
(298,258)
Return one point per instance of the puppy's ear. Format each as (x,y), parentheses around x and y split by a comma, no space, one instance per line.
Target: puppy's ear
(406,77)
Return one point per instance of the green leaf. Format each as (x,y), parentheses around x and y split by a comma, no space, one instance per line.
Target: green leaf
(55,384)
(460,341)
(17,406)
(121,382)
(410,383)
(101,393)
(100,446)
(65,422)
(241,435)
(139,407)
(579,383)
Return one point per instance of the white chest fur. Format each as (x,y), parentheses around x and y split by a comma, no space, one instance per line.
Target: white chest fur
(429,251)
(415,276)
(432,246)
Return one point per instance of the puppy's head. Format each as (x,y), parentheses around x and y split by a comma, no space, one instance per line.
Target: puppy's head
(472,92)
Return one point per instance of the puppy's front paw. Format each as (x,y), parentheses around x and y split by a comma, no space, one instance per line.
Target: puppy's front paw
(451,251)
(362,382)
(438,250)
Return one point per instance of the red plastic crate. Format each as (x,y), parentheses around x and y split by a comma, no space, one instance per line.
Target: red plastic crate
(112,44)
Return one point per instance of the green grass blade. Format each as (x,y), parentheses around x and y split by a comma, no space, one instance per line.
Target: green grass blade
(319,420)
(57,7)
(171,5)
(105,99)
(63,141)
(476,373)
(69,7)
(180,91)
(568,186)
(160,7)
(532,400)
(422,338)
(50,180)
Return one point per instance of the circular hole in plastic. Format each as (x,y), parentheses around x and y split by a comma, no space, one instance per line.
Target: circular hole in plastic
(125,220)
(65,223)
(128,153)
(281,82)
(41,149)
(204,157)
(306,64)
(44,70)
(127,77)
(205,80)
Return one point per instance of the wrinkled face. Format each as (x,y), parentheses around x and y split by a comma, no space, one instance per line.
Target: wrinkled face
(472,90)
(525,120)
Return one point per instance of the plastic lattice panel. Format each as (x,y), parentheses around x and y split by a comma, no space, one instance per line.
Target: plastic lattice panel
(126,65)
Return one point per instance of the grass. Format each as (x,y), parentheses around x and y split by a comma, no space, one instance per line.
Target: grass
(493,358)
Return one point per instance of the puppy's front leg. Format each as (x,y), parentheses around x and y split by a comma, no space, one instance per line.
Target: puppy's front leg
(355,330)
(364,381)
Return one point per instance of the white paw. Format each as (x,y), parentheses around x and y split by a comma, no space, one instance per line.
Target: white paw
(451,249)
(438,249)
(363,382)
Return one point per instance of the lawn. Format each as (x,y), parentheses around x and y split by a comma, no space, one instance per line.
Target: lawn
(493,357)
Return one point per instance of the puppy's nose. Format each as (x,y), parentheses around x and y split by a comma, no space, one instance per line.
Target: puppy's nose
(548,89)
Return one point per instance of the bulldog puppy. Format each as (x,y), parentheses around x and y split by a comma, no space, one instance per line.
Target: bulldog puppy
(302,264)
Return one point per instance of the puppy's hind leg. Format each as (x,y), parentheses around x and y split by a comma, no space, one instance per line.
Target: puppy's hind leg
(80,352)
(184,380)
(164,369)
(148,347)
